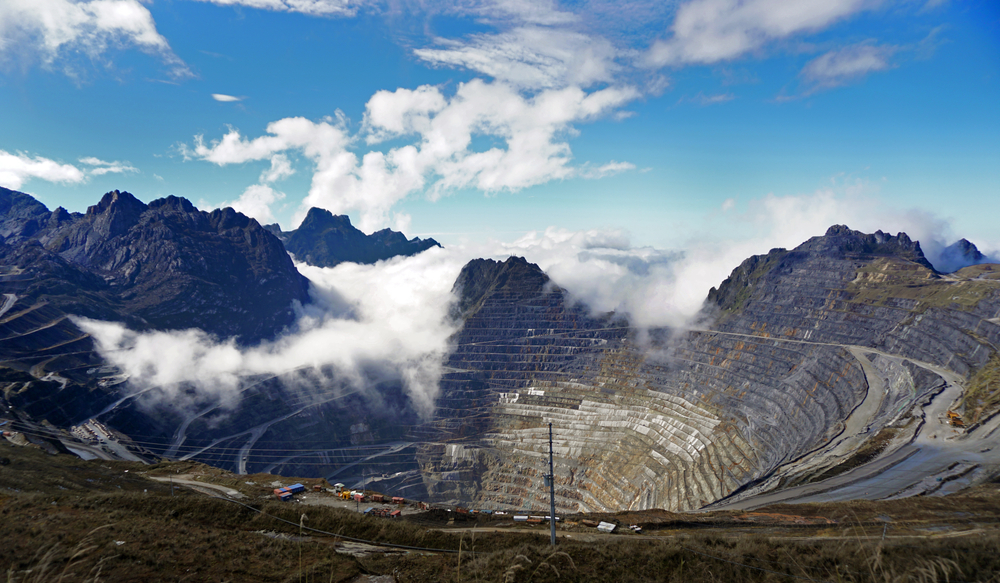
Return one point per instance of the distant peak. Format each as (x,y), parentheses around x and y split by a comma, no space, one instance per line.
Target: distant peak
(961,253)
(481,277)
(114,200)
(174,202)
(325,239)
(319,216)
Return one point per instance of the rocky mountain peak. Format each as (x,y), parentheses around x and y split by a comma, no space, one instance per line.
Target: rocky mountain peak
(482,277)
(20,214)
(325,239)
(841,241)
(320,220)
(967,249)
(117,212)
(173,203)
(58,217)
(840,251)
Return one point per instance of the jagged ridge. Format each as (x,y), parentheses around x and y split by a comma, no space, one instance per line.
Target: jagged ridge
(325,240)
(165,265)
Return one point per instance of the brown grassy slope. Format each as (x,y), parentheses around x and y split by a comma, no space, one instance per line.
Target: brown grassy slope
(53,506)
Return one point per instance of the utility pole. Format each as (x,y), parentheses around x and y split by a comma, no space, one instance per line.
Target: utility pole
(552,491)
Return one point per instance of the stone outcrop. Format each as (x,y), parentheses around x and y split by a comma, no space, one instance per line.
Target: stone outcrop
(325,240)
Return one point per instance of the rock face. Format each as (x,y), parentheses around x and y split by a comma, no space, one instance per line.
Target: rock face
(678,419)
(325,240)
(165,265)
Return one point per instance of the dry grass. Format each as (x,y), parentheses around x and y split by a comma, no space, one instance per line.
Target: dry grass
(886,279)
(51,534)
(982,393)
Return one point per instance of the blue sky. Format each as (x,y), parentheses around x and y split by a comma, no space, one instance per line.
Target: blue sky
(467,120)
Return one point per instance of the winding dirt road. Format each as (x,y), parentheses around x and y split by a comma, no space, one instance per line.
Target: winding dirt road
(939,459)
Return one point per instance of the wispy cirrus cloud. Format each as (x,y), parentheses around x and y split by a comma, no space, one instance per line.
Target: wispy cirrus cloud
(100,167)
(846,65)
(530,57)
(57,32)
(609,169)
(712,31)
(309,7)
(702,99)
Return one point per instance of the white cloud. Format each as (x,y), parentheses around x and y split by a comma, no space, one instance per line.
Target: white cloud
(395,323)
(256,201)
(545,12)
(310,7)
(531,57)
(709,31)
(402,112)
(847,64)
(56,30)
(441,157)
(101,167)
(609,169)
(281,168)
(16,169)
(225,98)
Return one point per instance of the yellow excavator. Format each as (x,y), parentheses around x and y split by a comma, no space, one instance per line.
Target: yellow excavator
(955,419)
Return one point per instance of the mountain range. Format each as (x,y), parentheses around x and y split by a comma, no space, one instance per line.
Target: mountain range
(830,369)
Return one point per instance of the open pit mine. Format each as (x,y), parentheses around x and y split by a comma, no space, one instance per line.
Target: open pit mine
(847,367)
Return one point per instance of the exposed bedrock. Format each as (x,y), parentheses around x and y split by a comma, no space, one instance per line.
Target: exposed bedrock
(687,418)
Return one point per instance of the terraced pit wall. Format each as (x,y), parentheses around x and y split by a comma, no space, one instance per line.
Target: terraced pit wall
(681,421)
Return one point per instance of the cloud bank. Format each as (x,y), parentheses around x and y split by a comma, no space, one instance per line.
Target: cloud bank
(390,318)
